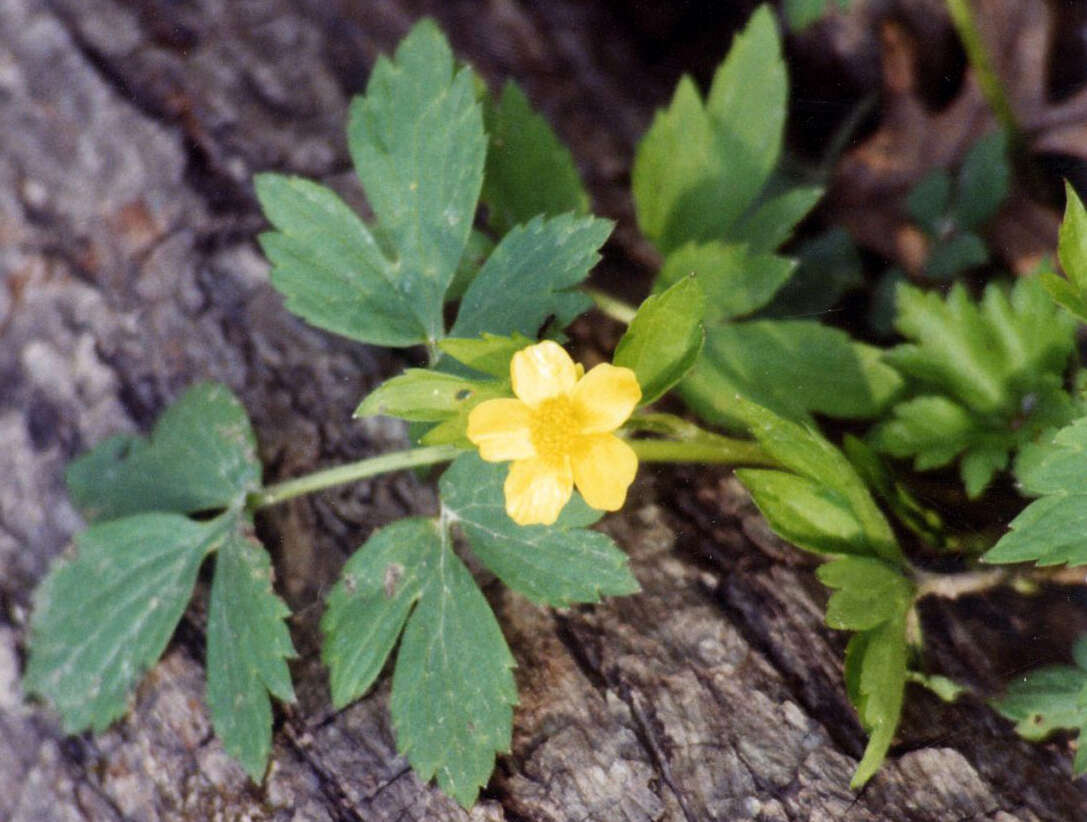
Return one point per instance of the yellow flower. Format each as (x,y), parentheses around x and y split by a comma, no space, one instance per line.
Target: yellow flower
(558,434)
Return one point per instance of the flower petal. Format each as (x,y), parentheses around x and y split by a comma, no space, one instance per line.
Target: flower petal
(542,371)
(605,397)
(501,430)
(604,467)
(536,491)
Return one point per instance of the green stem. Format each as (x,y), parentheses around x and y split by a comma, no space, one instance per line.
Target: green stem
(369,467)
(611,306)
(689,443)
(966,25)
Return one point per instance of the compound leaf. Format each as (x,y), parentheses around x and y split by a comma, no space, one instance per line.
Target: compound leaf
(554,565)
(201,456)
(104,616)
(867,592)
(248,644)
(487,354)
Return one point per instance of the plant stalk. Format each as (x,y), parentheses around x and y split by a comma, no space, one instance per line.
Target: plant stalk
(962,15)
(369,467)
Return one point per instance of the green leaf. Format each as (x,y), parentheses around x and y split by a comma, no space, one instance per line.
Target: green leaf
(328,266)
(868,592)
(828,267)
(488,354)
(960,253)
(368,607)
(200,457)
(417,142)
(528,172)
(943,687)
(1053,529)
(771,223)
(814,368)
(247,646)
(928,201)
(421,395)
(982,181)
(664,339)
(1072,251)
(453,688)
(553,565)
(477,251)
(735,281)
(103,617)
(531,277)
(832,484)
(803,13)
(875,671)
(700,167)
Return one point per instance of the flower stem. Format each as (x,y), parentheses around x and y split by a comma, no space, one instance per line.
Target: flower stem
(369,467)
(967,27)
(611,306)
(953,586)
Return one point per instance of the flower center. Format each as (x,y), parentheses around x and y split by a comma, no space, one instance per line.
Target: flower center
(554,428)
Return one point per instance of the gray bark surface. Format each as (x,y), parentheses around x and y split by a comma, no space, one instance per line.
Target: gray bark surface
(129,132)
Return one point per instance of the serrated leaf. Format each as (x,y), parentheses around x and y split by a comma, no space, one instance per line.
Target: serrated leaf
(701,166)
(248,644)
(488,354)
(103,617)
(368,607)
(453,687)
(867,592)
(553,565)
(875,671)
(805,452)
(531,277)
(327,265)
(418,145)
(815,368)
(422,395)
(735,280)
(528,171)
(1053,529)
(201,456)
(664,339)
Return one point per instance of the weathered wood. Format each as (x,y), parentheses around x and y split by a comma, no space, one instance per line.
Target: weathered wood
(128,135)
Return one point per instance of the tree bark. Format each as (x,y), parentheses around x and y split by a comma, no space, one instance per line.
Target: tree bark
(129,133)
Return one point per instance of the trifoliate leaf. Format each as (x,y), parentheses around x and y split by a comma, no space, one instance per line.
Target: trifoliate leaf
(875,673)
(200,457)
(421,395)
(989,377)
(531,277)
(103,617)
(867,592)
(664,339)
(453,690)
(1072,250)
(554,565)
(367,609)
(488,354)
(735,280)
(815,369)
(248,644)
(528,172)
(417,142)
(700,167)
(1053,529)
(831,485)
